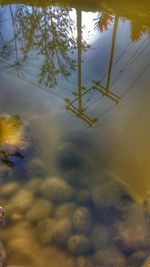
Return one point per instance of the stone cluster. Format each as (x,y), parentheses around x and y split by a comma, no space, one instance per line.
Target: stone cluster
(103,223)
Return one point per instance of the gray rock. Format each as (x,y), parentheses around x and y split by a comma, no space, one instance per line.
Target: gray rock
(65,210)
(62,231)
(57,190)
(78,244)
(100,237)
(82,220)
(109,257)
(45,231)
(40,210)
(22,200)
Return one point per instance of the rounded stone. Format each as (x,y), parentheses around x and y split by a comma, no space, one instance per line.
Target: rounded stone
(63,230)
(45,231)
(34,185)
(132,233)
(16,217)
(110,198)
(35,168)
(21,247)
(40,210)
(109,257)
(78,244)
(7,189)
(83,197)
(82,220)
(100,237)
(81,261)
(3,256)
(68,157)
(65,210)
(22,200)
(6,173)
(138,258)
(57,190)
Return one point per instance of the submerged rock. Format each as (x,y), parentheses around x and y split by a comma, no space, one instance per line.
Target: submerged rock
(100,237)
(82,220)
(6,173)
(138,258)
(40,210)
(83,197)
(3,256)
(62,231)
(65,211)
(21,247)
(16,217)
(109,257)
(57,190)
(7,189)
(78,244)
(146,205)
(35,168)
(34,185)
(45,231)
(110,199)
(22,200)
(68,157)
(132,233)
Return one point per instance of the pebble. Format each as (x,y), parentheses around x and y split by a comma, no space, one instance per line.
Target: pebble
(100,237)
(34,185)
(41,209)
(62,231)
(68,157)
(78,244)
(65,210)
(83,197)
(22,200)
(57,190)
(110,199)
(82,220)
(7,189)
(109,257)
(45,231)
(35,168)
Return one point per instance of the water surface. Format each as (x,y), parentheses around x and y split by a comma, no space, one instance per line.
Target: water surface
(79,75)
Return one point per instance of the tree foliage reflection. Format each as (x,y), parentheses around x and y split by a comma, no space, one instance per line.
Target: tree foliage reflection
(49,31)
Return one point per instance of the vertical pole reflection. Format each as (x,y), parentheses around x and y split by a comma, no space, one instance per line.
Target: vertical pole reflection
(79,38)
(112,52)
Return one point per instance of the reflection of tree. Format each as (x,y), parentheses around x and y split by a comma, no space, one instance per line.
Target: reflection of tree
(137,30)
(103,21)
(50,32)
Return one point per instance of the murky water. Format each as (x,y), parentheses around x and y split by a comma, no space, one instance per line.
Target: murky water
(74,133)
